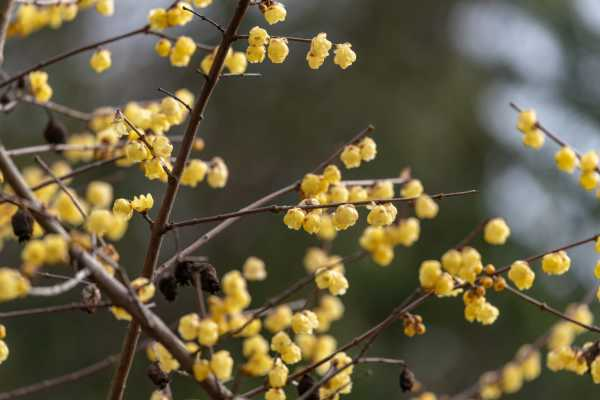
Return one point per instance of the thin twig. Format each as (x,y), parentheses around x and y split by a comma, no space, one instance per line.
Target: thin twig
(60,57)
(205,18)
(174,96)
(52,309)
(62,186)
(5,13)
(281,208)
(545,307)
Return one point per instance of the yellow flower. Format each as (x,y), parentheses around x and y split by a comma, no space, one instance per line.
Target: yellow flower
(292,354)
(351,156)
(444,286)
(496,231)
(157,18)
(556,263)
(258,36)
(120,313)
(275,394)
(512,378)
(105,7)
(294,218)
(368,149)
(12,284)
(142,203)
(332,174)
(589,180)
(382,190)
(344,217)
(426,207)
(123,208)
(274,13)
(136,151)
(589,161)
(100,61)
(254,269)
(304,322)
(320,46)
(208,332)
(34,252)
(4,352)
(163,47)
(99,194)
(597,270)
(412,188)
(99,222)
(256,54)
(534,139)
(312,222)
(161,146)
(357,193)
(217,173)
(526,121)
(429,273)
(344,55)
(279,319)
(178,16)
(278,50)
(381,215)
(40,88)
(202,3)
(566,159)
(56,248)
(201,370)
(405,233)
(144,288)
(595,370)
(255,345)
(221,365)
(452,261)
(521,275)
(237,63)
(278,374)
(194,172)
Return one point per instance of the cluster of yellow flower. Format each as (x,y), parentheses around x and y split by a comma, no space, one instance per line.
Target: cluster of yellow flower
(50,250)
(12,284)
(4,352)
(278,50)
(31,18)
(257,39)
(413,325)
(144,290)
(566,158)
(525,366)
(40,89)
(160,19)
(235,61)
(226,315)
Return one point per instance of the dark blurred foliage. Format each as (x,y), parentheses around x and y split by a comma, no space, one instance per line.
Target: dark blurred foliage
(424,97)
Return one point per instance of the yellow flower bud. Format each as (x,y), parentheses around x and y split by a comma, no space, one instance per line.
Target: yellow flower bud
(101,61)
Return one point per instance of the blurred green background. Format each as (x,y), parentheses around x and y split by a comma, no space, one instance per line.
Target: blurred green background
(435,78)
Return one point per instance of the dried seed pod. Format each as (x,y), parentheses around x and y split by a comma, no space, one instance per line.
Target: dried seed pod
(158,376)
(407,379)
(168,287)
(55,132)
(22,224)
(183,273)
(305,384)
(91,297)
(210,279)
